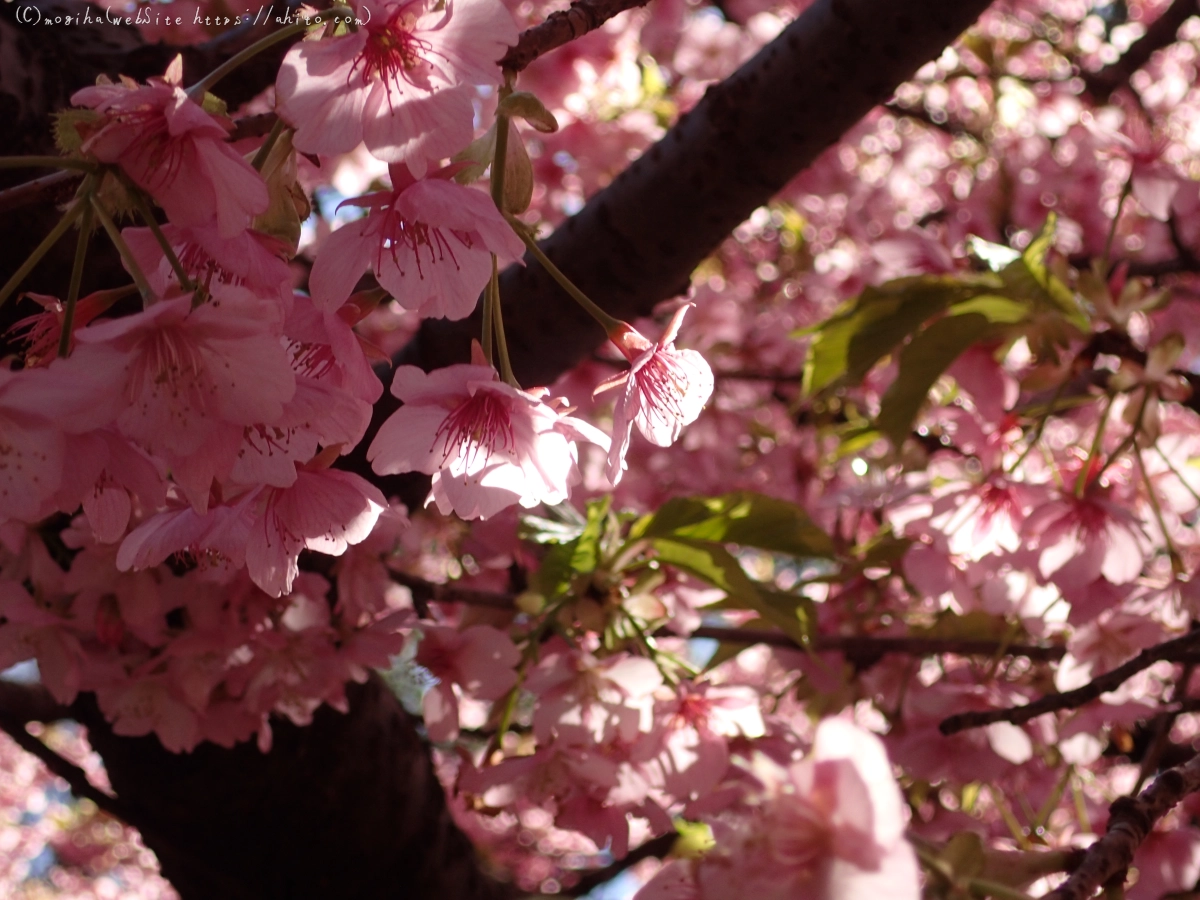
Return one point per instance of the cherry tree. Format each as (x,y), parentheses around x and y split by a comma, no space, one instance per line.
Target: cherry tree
(487,449)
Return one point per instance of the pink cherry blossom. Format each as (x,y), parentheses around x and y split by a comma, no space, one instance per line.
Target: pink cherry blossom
(480,660)
(587,701)
(41,332)
(174,150)
(429,242)
(250,259)
(1080,539)
(487,444)
(401,82)
(663,390)
(184,383)
(830,827)
(325,510)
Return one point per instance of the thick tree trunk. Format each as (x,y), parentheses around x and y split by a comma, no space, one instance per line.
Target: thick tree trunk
(348,807)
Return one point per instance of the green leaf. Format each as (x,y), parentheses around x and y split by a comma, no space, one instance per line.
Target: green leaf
(996,309)
(524,105)
(868,328)
(1029,278)
(922,362)
(547,531)
(742,517)
(715,565)
(568,560)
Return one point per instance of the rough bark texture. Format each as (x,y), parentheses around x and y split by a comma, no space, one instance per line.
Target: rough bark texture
(636,243)
(348,808)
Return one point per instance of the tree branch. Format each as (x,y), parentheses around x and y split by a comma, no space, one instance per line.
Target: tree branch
(1161,33)
(1130,822)
(21,703)
(1181,649)
(655,847)
(636,243)
(561,28)
(864,650)
(74,776)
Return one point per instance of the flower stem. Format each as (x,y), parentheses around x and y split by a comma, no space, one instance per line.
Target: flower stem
(147,214)
(1112,228)
(201,87)
(487,338)
(506,372)
(607,322)
(48,241)
(81,248)
(1081,481)
(264,151)
(135,270)
(46,162)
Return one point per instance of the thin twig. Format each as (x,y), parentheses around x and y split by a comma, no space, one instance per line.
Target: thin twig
(425,592)
(28,192)
(865,649)
(1180,649)
(563,27)
(656,847)
(1130,821)
(68,771)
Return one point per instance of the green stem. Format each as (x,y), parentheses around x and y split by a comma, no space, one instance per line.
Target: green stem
(1112,228)
(506,372)
(46,162)
(1081,480)
(1178,475)
(48,241)
(265,150)
(135,270)
(607,322)
(1041,427)
(1130,438)
(1172,553)
(201,87)
(81,248)
(488,336)
(147,214)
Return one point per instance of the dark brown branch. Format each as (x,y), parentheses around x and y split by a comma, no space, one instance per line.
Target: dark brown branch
(865,649)
(1130,822)
(425,592)
(636,243)
(1181,649)
(74,776)
(36,189)
(1161,33)
(21,703)
(563,27)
